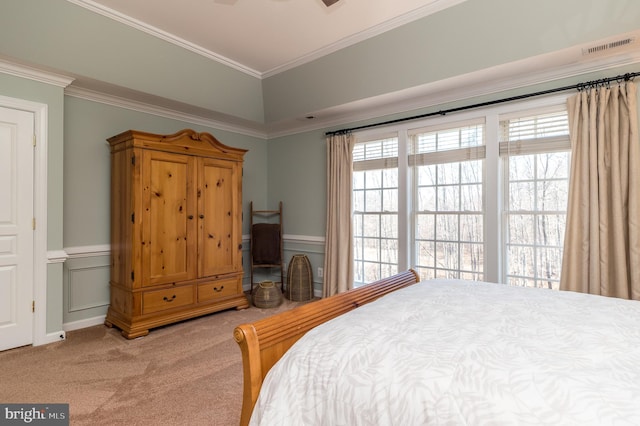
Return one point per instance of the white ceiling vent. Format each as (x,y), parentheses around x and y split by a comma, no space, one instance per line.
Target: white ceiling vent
(603,47)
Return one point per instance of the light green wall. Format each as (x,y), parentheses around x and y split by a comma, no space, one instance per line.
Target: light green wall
(68,38)
(471,36)
(297,177)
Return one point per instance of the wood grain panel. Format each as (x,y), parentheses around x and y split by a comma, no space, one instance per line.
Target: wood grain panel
(217,226)
(169,228)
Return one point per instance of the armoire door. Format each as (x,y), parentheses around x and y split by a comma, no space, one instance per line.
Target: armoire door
(220,217)
(169,225)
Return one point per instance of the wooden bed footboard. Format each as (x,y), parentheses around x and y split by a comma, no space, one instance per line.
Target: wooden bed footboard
(265,341)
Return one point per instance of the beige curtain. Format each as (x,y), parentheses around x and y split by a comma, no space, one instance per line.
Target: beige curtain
(602,240)
(338,259)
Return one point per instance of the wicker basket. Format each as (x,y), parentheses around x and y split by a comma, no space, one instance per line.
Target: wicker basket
(299,279)
(267,295)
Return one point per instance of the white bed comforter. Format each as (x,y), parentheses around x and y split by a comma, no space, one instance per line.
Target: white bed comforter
(451,352)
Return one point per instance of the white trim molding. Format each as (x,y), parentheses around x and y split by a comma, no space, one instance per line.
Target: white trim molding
(163,35)
(79,252)
(421,12)
(57,256)
(89,322)
(147,108)
(31,73)
(291,238)
(58,336)
(305,239)
(570,62)
(545,68)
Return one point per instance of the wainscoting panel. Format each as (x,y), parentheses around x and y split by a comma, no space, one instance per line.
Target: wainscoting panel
(86,287)
(82,294)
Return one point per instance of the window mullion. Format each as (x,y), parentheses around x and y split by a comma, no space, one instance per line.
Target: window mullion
(493,227)
(405,218)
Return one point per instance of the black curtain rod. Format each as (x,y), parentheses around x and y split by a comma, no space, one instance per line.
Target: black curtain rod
(579,87)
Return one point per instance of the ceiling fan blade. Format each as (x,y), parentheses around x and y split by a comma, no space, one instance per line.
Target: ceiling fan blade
(329,2)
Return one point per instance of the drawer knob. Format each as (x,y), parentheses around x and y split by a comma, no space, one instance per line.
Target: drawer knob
(166,299)
(218,289)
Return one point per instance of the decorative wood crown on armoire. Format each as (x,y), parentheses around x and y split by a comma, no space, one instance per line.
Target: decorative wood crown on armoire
(176,229)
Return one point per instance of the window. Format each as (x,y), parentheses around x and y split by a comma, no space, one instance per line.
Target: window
(448,209)
(375,209)
(536,152)
(478,196)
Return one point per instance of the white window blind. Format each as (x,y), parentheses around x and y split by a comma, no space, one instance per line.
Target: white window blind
(444,144)
(377,154)
(544,131)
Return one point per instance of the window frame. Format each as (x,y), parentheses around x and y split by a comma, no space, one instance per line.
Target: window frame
(493,175)
(438,159)
(535,147)
(369,165)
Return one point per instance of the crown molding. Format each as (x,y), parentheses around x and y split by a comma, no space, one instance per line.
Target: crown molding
(31,73)
(148,108)
(554,66)
(491,81)
(421,12)
(429,9)
(163,35)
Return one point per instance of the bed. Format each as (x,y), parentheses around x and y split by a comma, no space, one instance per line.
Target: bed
(445,352)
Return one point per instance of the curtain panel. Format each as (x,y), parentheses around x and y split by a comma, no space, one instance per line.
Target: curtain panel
(338,259)
(602,238)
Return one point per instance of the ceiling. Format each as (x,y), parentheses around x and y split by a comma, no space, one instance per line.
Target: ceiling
(264,37)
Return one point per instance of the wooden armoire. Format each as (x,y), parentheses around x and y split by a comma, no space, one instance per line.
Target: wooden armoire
(176,229)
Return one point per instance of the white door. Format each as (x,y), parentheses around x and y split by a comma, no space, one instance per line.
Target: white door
(16,227)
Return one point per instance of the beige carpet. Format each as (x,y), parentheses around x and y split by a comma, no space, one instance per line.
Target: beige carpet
(183,374)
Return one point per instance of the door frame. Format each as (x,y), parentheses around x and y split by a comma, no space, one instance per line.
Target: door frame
(40,186)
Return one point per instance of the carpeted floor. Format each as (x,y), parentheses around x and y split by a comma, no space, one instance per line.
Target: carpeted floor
(183,374)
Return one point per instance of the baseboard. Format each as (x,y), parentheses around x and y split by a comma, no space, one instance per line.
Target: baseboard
(57,336)
(89,322)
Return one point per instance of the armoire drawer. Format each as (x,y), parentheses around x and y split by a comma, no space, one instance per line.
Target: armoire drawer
(161,300)
(217,289)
